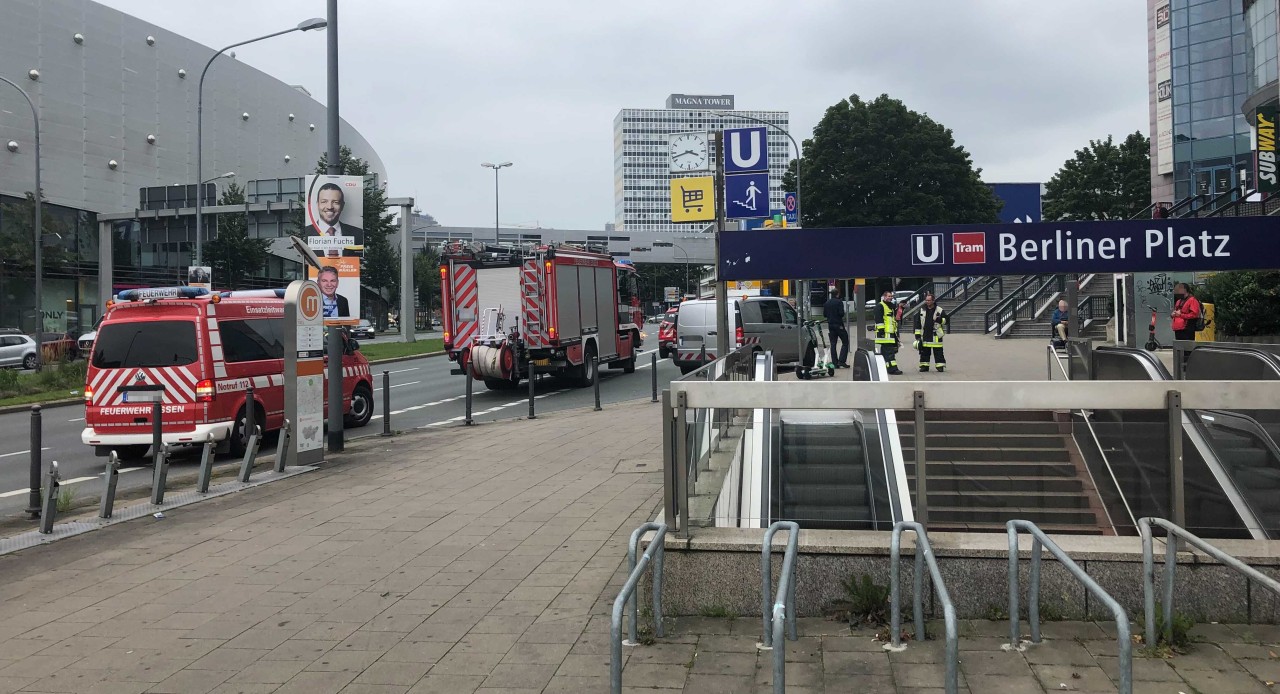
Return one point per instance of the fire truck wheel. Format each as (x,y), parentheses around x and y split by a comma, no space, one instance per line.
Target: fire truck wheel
(238,441)
(132,452)
(629,366)
(586,374)
(361,407)
(500,384)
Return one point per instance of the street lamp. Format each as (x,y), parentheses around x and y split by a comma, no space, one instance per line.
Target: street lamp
(39,256)
(308,25)
(495,168)
(722,114)
(229,174)
(669,244)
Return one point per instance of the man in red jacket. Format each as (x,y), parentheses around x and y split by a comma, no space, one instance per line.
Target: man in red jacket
(1186,312)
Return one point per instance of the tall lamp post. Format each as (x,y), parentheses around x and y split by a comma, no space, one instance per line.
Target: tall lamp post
(308,25)
(39,256)
(669,244)
(495,168)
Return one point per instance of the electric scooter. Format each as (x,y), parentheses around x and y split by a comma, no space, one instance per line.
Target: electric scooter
(822,365)
(1152,344)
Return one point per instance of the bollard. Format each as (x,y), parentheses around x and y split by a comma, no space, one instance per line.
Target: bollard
(386,403)
(250,452)
(33,497)
(531,388)
(468,420)
(157,433)
(160,477)
(109,478)
(595,383)
(653,368)
(250,412)
(282,446)
(206,466)
(50,511)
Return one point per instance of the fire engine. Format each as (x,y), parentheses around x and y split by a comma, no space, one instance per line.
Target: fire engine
(205,350)
(565,307)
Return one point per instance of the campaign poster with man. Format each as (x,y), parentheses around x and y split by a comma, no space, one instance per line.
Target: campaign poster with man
(335,233)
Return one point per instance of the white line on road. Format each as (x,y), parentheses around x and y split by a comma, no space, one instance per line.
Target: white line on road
(15,492)
(397,385)
(77,419)
(404,370)
(127,469)
(6,455)
(75,480)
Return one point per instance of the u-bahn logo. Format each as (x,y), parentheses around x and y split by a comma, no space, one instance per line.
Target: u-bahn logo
(926,249)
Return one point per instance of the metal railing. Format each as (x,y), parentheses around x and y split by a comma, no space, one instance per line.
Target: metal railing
(1041,541)
(637,568)
(779,617)
(916,300)
(1223,198)
(1001,317)
(983,290)
(1185,206)
(1244,207)
(924,555)
(1175,533)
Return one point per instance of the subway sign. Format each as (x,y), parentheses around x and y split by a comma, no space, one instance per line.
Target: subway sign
(1234,243)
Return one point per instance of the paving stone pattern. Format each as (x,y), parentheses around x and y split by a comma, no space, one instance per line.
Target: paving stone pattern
(469,559)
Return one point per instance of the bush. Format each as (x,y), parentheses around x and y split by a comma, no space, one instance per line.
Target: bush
(54,377)
(1245,303)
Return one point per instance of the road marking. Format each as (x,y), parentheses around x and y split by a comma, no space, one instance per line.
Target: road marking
(76,480)
(6,455)
(404,370)
(398,385)
(128,469)
(77,419)
(15,492)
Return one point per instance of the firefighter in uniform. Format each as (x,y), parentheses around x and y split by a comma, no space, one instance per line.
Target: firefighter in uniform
(931,326)
(887,332)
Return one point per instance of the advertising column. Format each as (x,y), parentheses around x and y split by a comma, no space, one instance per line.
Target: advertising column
(1164,91)
(304,372)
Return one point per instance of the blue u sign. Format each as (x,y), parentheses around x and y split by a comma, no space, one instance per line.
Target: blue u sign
(746,149)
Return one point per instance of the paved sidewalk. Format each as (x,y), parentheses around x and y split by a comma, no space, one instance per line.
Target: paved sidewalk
(468,559)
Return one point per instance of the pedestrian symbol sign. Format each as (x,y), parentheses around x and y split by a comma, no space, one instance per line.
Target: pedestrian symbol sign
(693,199)
(746,195)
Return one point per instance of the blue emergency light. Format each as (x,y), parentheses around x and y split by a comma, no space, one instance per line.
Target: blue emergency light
(161,293)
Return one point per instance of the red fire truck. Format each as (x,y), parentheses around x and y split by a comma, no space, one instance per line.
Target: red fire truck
(564,307)
(204,350)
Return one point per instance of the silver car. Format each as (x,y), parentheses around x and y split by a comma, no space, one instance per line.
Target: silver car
(17,350)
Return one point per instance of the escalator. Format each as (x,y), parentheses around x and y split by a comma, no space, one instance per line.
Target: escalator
(1231,466)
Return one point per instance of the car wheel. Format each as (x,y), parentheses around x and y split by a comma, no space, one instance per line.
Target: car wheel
(29,361)
(361,407)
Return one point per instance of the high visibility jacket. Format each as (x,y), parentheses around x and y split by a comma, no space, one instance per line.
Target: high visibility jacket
(931,326)
(887,327)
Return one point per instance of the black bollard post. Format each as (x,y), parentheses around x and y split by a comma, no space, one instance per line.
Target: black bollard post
(250,414)
(596,382)
(653,368)
(50,511)
(386,403)
(157,433)
(33,497)
(531,389)
(468,420)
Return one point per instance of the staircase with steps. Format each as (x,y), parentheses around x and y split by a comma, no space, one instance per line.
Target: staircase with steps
(1038,328)
(988,467)
(970,318)
(822,472)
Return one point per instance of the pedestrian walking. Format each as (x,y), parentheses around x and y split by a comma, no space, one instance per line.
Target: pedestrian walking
(834,312)
(1188,313)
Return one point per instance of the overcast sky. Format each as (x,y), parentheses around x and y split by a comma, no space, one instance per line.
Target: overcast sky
(438,87)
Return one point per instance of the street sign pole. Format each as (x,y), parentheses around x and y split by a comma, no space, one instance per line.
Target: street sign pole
(304,351)
(722,316)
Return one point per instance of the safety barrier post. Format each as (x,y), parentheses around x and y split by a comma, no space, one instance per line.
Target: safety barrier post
(50,511)
(160,476)
(595,382)
(468,420)
(532,386)
(783,612)
(1039,542)
(282,446)
(250,452)
(654,554)
(250,412)
(1175,532)
(924,553)
(157,434)
(386,403)
(37,435)
(109,478)
(206,466)
(1177,492)
(922,467)
(653,372)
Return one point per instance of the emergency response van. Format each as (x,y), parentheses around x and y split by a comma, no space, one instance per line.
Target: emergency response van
(204,351)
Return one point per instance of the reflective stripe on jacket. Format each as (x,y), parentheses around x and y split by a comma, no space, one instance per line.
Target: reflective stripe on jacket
(887,328)
(931,326)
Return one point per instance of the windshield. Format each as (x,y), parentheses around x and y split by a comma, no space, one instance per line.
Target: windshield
(365,324)
(145,343)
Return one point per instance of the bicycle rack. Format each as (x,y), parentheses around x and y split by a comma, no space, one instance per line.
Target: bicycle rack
(110,477)
(1175,533)
(1039,540)
(250,452)
(627,595)
(924,554)
(782,613)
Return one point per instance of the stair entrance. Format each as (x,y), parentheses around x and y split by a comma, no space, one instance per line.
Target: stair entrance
(822,478)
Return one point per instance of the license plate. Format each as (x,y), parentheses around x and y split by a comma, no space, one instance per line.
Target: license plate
(542,362)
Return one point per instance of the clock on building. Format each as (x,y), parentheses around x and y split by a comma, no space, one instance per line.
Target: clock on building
(689,152)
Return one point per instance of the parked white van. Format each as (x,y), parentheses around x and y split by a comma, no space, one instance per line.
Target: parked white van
(767,321)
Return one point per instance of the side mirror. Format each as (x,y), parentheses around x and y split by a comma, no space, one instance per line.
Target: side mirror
(353,345)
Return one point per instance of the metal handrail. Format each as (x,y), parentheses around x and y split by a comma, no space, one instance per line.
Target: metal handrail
(1207,209)
(1188,201)
(1019,299)
(782,613)
(1146,211)
(1170,565)
(952,289)
(1039,540)
(924,554)
(1008,300)
(656,547)
(995,281)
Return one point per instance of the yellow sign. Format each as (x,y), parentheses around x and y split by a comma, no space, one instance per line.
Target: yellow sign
(693,199)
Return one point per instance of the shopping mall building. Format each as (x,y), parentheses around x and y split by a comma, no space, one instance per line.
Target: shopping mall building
(117,103)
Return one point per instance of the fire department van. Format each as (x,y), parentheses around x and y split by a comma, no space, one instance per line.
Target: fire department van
(205,350)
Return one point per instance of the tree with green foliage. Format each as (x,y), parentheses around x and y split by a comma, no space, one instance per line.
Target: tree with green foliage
(1102,181)
(232,254)
(878,163)
(1245,303)
(426,277)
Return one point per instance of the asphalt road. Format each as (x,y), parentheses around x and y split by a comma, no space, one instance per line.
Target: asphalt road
(423,395)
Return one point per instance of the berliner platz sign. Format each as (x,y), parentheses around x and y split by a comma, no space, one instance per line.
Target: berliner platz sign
(1163,245)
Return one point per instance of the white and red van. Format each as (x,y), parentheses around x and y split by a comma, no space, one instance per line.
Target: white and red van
(204,350)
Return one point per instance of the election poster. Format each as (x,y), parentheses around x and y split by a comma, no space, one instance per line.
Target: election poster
(335,233)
